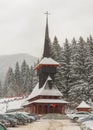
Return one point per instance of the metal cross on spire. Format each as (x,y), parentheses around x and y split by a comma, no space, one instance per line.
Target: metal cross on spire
(47,30)
(47,14)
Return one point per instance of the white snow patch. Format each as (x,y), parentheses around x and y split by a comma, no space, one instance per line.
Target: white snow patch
(8,104)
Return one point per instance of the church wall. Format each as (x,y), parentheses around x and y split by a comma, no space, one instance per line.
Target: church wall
(43,108)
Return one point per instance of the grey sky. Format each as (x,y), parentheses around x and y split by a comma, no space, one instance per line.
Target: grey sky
(22,23)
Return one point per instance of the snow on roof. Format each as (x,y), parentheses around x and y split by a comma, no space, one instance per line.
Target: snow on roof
(83,105)
(47,61)
(47,101)
(35,92)
(45,90)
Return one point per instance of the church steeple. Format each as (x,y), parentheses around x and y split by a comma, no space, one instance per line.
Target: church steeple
(46,52)
(47,66)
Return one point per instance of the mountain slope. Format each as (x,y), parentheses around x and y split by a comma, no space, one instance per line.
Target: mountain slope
(7,61)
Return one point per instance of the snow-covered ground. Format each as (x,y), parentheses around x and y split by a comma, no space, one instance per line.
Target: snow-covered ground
(49,125)
(13,103)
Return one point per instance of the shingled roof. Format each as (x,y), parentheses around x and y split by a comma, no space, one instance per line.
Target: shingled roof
(45,90)
(83,105)
(46,61)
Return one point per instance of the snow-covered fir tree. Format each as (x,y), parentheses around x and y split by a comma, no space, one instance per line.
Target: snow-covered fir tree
(80,64)
(74,76)
(90,42)
(18,79)
(33,77)
(24,76)
(10,84)
(56,54)
(28,84)
(89,66)
(65,68)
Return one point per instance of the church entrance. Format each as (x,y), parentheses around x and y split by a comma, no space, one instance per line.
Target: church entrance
(51,109)
(54,109)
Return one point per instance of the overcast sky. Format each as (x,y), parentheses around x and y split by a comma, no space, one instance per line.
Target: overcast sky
(22,23)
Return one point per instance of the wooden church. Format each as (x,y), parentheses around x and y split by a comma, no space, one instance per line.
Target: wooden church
(45,97)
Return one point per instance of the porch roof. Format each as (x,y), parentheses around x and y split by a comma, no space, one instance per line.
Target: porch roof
(45,90)
(46,101)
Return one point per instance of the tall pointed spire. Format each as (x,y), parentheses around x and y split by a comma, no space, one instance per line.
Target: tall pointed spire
(47,30)
(46,52)
(47,66)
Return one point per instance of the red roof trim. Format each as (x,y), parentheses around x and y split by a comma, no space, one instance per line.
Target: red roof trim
(40,65)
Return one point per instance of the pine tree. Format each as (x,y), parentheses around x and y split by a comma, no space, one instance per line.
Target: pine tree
(56,54)
(24,76)
(90,42)
(56,50)
(89,67)
(32,77)
(18,79)
(79,71)
(53,48)
(74,76)
(65,68)
(10,84)
(28,81)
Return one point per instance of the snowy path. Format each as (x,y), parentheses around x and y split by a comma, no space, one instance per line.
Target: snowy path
(68,125)
(49,125)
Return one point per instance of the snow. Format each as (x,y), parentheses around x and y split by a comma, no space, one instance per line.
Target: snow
(49,125)
(16,104)
(11,104)
(83,105)
(90,125)
(2,108)
(47,61)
